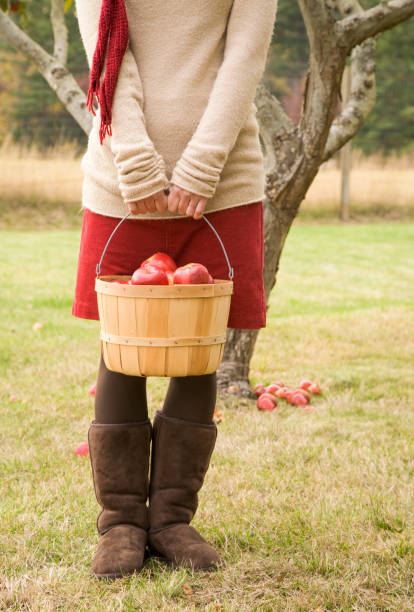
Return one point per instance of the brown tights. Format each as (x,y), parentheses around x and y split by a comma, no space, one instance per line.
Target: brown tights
(123,399)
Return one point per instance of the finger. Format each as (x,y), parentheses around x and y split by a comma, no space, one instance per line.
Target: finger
(133,208)
(185,198)
(173,200)
(200,209)
(161,202)
(150,203)
(191,207)
(142,206)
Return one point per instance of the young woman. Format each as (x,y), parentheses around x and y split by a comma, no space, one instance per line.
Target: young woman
(175,137)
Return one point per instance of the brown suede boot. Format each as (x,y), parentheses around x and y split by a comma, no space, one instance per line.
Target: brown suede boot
(119,455)
(181,453)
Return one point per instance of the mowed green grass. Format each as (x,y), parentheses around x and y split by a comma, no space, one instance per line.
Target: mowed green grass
(310,511)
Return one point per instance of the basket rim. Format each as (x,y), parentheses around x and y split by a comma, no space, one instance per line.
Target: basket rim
(104,286)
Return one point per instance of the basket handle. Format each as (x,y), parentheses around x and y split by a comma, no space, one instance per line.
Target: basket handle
(231,270)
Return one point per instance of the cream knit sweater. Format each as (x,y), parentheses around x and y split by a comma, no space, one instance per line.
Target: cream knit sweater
(183,110)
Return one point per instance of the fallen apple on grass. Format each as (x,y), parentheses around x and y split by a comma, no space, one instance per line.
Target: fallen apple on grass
(218,415)
(288,395)
(300,396)
(259,389)
(265,403)
(309,408)
(82,450)
(92,389)
(270,396)
(305,393)
(281,392)
(298,399)
(272,388)
(315,388)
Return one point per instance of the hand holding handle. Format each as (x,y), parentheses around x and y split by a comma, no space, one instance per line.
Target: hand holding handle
(231,270)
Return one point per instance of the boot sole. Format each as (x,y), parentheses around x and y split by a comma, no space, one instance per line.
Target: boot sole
(173,564)
(147,555)
(114,576)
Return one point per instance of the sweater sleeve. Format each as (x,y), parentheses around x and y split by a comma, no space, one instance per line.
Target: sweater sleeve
(249,33)
(141,169)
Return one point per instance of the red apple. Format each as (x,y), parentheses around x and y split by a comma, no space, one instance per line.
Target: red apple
(82,449)
(272,388)
(265,404)
(191,274)
(269,396)
(160,260)
(288,395)
(259,389)
(281,392)
(304,392)
(298,399)
(92,389)
(150,275)
(304,384)
(315,388)
(120,282)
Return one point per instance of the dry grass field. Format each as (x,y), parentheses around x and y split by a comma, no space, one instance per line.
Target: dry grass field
(44,190)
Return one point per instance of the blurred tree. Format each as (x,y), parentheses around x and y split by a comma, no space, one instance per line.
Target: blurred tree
(390,126)
(34,114)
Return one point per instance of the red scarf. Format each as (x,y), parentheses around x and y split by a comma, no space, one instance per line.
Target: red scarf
(113,29)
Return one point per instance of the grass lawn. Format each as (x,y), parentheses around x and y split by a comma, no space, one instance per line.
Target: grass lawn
(311,511)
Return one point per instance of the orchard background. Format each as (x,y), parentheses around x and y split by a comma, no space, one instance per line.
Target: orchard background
(311,511)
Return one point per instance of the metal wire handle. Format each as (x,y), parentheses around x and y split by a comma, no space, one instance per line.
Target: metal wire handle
(231,270)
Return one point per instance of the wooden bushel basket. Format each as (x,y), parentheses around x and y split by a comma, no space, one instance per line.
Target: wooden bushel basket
(163,330)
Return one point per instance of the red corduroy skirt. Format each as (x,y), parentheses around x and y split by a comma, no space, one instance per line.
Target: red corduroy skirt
(185,240)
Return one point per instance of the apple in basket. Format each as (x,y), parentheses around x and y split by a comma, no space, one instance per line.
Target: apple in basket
(149,275)
(192,274)
(160,260)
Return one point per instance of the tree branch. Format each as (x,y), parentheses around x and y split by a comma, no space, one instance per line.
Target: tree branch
(59,78)
(323,77)
(363,91)
(281,141)
(318,17)
(353,30)
(274,123)
(60,32)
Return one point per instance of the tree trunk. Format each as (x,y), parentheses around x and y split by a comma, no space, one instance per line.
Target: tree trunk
(233,373)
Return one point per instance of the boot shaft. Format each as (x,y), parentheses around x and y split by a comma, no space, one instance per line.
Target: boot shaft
(119,455)
(181,452)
